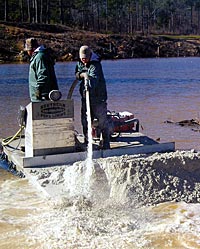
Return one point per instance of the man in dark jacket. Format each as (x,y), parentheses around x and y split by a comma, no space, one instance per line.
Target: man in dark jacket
(42,78)
(89,68)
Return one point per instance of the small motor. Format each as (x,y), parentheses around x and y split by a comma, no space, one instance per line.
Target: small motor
(118,123)
(125,122)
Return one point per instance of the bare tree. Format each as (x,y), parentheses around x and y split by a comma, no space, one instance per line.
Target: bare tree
(6,10)
(29,10)
(61,11)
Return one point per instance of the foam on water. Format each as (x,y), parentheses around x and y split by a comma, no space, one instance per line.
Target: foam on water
(78,224)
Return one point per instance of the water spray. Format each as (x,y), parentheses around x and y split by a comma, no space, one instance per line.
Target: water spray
(89,134)
(89,162)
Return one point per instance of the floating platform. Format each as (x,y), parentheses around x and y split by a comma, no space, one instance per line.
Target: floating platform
(49,138)
(125,144)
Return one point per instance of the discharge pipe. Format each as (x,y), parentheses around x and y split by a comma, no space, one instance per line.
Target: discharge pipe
(88,112)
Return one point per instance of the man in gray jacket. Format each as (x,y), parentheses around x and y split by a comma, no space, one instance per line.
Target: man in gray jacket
(42,77)
(89,67)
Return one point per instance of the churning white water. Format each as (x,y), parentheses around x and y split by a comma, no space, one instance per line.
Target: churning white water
(135,202)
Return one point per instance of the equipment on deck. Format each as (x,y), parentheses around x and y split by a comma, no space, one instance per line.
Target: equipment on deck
(118,122)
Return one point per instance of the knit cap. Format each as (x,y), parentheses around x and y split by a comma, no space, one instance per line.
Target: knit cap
(30,44)
(85,52)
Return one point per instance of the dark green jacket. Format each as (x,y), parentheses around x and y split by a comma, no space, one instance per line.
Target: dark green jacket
(97,89)
(42,78)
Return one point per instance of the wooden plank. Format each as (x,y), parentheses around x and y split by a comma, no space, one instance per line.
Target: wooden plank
(17,156)
(140,149)
(62,159)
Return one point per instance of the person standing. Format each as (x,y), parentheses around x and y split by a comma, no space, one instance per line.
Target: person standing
(89,69)
(42,77)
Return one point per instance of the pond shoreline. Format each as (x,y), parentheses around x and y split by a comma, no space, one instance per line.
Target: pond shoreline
(66,41)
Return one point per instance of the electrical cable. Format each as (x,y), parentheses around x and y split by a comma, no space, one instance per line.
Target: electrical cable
(8,140)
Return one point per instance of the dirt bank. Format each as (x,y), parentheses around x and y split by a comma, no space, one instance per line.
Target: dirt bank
(66,41)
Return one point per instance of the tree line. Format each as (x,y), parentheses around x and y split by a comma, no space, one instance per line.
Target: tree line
(108,16)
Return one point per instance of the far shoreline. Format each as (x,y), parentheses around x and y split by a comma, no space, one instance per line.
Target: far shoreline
(65,43)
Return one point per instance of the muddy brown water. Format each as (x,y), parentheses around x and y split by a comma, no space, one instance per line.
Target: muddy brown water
(154,90)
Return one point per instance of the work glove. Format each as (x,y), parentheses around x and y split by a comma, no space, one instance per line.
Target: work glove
(84,75)
(87,84)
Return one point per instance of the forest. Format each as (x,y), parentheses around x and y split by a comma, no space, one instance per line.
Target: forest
(109,16)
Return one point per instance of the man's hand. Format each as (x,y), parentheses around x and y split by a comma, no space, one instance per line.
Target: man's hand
(38,94)
(84,75)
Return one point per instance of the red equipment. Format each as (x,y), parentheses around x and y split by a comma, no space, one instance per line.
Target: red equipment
(118,122)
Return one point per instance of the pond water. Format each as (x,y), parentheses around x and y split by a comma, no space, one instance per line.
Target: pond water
(155,90)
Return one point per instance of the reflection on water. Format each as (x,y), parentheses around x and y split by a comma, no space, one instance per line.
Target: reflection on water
(154,90)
